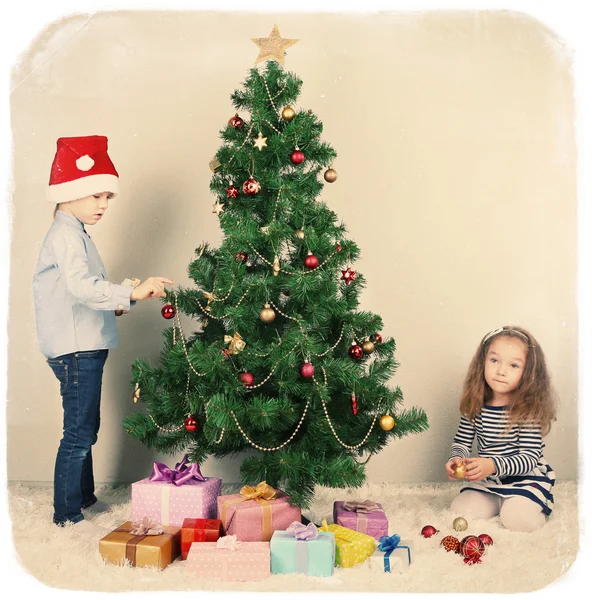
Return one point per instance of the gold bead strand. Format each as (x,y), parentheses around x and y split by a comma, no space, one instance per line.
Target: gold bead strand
(277,447)
(247,137)
(219,440)
(287,316)
(331,424)
(277,113)
(178,319)
(223,316)
(335,344)
(164,429)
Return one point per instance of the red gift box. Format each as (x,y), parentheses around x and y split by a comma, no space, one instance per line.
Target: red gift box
(198,530)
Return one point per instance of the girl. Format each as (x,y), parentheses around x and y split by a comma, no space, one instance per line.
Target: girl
(508,403)
(75,312)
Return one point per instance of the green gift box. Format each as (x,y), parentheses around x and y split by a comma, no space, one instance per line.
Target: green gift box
(314,557)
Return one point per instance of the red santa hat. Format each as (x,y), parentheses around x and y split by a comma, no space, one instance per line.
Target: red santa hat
(81,168)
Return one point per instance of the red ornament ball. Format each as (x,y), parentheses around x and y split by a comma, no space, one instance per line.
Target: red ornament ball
(297,157)
(225,353)
(251,187)
(236,122)
(246,378)
(486,539)
(472,548)
(241,256)
(356,352)
(338,247)
(190,424)
(311,261)
(428,531)
(307,370)
(376,338)
(232,192)
(451,543)
(168,311)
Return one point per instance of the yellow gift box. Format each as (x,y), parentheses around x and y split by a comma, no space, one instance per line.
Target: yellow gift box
(352,547)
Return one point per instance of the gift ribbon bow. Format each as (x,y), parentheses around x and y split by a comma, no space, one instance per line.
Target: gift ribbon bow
(388,544)
(262,490)
(146,526)
(367,506)
(179,475)
(236,343)
(228,542)
(303,532)
(262,494)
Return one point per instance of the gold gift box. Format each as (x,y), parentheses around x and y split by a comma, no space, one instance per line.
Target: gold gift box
(141,550)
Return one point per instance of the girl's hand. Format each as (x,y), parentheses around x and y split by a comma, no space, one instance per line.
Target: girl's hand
(479,468)
(449,466)
(153,287)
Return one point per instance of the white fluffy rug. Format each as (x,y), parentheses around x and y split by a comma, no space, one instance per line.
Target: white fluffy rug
(517,562)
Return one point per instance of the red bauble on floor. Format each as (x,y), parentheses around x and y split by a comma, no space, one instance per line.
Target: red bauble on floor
(428,531)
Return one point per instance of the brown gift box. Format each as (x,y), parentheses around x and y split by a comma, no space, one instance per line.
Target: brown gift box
(141,550)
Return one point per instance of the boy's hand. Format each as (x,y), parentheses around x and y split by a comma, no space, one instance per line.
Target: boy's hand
(479,468)
(153,287)
(449,466)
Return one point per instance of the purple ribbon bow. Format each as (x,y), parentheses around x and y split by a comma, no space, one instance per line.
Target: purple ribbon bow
(179,475)
(367,506)
(303,532)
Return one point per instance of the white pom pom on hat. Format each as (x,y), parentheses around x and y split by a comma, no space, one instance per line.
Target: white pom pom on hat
(81,167)
(85,163)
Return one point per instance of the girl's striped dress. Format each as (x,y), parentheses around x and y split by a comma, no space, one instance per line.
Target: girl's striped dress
(517,453)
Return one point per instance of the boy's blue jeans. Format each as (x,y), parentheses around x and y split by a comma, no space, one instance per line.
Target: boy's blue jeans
(80,375)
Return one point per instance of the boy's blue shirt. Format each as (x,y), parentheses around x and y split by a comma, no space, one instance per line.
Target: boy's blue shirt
(74,302)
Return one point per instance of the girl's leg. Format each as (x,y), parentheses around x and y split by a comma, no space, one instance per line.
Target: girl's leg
(481,505)
(521,514)
(80,376)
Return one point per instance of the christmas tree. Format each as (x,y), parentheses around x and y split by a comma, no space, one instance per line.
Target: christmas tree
(283,362)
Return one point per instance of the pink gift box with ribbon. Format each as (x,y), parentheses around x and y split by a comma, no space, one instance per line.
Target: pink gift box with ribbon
(366,517)
(229,559)
(171,495)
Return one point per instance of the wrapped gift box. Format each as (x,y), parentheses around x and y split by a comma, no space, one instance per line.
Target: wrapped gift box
(315,557)
(141,550)
(366,517)
(396,559)
(170,495)
(255,513)
(352,547)
(198,530)
(249,561)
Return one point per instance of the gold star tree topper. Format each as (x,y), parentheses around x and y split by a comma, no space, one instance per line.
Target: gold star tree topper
(273,47)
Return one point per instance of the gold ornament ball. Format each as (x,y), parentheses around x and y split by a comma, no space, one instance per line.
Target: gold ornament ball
(267,314)
(299,233)
(460,471)
(387,422)
(215,165)
(137,392)
(288,113)
(368,347)
(460,524)
(330,175)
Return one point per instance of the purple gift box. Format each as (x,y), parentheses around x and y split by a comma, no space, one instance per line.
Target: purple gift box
(366,517)
(171,495)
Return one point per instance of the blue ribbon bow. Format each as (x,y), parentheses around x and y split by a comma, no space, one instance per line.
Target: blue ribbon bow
(388,544)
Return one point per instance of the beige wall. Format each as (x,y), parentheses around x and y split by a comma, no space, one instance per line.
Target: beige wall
(455,136)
